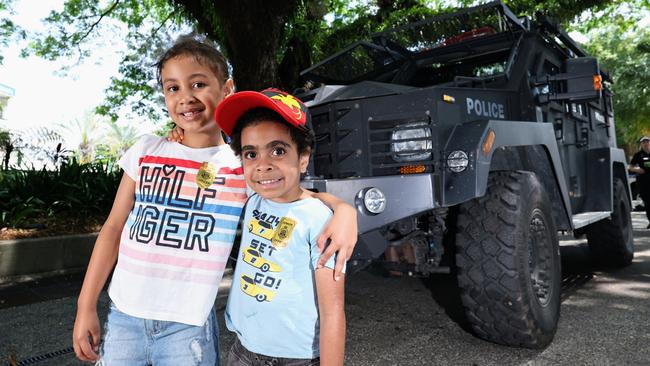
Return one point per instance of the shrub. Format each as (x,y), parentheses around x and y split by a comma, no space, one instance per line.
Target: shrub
(74,191)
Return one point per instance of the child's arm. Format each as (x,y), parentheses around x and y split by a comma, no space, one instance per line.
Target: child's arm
(331,309)
(86,333)
(341,231)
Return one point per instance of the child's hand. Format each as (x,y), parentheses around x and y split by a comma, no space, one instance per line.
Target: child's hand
(176,135)
(342,233)
(86,336)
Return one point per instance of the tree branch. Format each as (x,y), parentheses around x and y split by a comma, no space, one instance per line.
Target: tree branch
(101,16)
(161,24)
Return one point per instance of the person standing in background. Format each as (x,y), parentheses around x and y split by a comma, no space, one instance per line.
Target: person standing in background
(640,164)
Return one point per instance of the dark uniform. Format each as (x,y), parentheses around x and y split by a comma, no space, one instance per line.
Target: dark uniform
(642,159)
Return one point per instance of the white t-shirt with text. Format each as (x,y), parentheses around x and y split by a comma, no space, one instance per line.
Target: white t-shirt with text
(179,233)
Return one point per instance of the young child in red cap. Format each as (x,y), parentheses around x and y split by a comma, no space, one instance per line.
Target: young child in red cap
(284,309)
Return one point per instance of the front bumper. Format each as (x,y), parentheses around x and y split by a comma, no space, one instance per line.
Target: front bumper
(406,195)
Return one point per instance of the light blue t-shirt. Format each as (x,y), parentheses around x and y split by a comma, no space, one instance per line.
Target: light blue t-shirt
(272,304)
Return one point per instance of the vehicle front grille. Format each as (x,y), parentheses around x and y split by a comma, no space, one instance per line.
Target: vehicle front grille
(332,151)
(349,144)
(383,160)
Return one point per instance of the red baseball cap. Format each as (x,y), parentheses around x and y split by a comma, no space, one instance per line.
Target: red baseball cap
(286,105)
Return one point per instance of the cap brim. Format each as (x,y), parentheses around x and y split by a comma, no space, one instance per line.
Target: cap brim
(234,106)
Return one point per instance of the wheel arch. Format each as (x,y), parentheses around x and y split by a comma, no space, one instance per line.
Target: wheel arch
(534,159)
(619,170)
(516,145)
(604,166)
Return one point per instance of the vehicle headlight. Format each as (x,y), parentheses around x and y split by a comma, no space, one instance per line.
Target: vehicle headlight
(457,161)
(412,142)
(374,200)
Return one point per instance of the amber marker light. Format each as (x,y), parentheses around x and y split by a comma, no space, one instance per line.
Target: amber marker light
(412,169)
(488,143)
(448,98)
(598,82)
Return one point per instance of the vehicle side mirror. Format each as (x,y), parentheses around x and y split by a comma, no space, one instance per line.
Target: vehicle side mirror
(584,81)
(581,81)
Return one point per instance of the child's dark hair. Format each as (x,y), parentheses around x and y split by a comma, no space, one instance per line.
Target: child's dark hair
(304,140)
(202,51)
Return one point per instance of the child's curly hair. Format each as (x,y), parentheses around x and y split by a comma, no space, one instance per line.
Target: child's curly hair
(304,140)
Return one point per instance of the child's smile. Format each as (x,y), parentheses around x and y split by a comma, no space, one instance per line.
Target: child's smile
(269,182)
(192,115)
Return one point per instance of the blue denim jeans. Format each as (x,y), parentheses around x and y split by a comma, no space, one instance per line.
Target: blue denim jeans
(132,341)
(240,356)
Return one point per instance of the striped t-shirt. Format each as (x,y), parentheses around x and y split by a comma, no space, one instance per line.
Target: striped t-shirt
(176,240)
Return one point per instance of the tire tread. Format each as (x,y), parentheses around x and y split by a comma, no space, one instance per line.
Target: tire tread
(487,275)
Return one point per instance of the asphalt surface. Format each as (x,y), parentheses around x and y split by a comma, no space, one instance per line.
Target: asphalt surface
(605,318)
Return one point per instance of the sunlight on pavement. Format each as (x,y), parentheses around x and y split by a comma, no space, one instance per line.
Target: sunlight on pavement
(634,289)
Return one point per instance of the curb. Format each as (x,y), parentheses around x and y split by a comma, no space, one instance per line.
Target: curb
(26,259)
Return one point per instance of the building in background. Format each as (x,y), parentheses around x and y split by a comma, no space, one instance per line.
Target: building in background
(6,92)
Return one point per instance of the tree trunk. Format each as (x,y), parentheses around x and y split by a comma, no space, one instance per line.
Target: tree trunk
(298,53)
(8,150)
(252,30)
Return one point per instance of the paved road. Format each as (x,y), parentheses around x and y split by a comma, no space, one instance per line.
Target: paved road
(605,318)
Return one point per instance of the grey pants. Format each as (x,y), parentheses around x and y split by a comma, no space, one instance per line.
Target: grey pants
(240,356)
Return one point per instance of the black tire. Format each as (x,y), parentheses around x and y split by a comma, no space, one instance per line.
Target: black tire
(508,262)
(610,240)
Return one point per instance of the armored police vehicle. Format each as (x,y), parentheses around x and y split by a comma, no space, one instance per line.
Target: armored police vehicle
(473,138)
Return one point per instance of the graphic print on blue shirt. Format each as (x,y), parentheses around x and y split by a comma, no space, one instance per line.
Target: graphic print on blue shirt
(259,254)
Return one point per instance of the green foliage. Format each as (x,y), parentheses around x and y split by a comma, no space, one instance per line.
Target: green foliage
(7,27)
(9,143)
(89,138)
(626,55)
(117,140)
(312,30)
(88,131)
(359,22)
(136,86)
(562,10)
(622,46)
(79,191)
(84,25)
(164,130)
